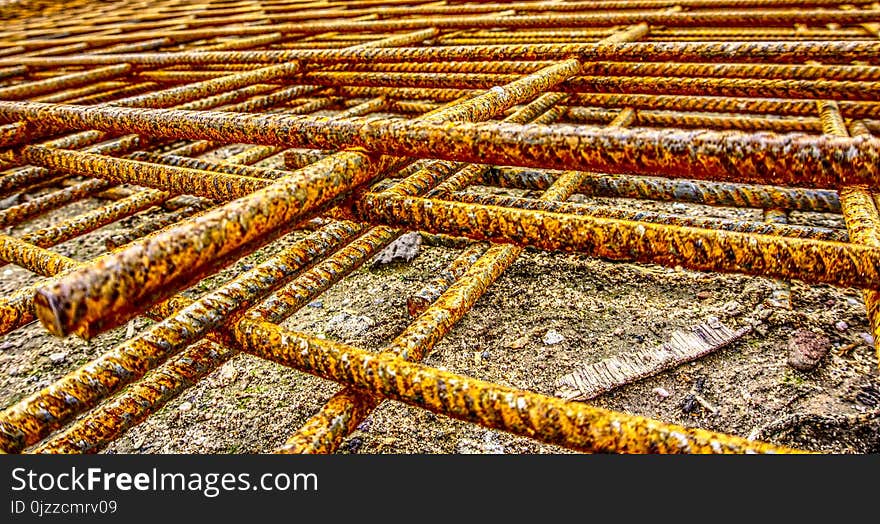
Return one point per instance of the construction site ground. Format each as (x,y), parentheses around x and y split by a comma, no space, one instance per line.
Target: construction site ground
(600,308)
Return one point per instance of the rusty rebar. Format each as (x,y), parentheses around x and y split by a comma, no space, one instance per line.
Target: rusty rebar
(784,52)
(722,251)
(288,199)
(515,411)
(859,211)
(655,188)
(783,159)
(388,116)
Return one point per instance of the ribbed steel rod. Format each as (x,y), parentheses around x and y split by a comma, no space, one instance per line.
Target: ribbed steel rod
(722,251)
(718,104)
(655,188)
(20,425)
(191,246)
(782,52)
(31,89)
(153,265)
(742,226)
(705,18)
(738,87)
(324,431)
(529,414)
(643,69)
(188,93)
(217,186)
(780,159)
(681,119)
(860,213)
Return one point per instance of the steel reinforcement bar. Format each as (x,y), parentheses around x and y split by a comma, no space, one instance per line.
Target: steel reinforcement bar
(224,126)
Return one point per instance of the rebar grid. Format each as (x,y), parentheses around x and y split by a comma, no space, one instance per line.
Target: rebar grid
(390,115)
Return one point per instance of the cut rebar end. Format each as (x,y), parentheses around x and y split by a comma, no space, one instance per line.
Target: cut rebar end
(51,312)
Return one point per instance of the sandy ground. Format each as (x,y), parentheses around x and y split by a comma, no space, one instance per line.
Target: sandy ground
(600,308)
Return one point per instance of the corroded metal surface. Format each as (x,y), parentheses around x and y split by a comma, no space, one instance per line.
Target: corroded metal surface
(223,127)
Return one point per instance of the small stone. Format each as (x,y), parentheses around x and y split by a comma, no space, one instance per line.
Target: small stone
(355,444)
(704,295)
(806,349)
(316,304)
(485,355)
(661,392)
(186,406)
(853,302)
(519,343)
(678,207)
(552,337)
(14,372)
(7,272)
(869,340)
(228,374)
(404,250)
(732,308)
(57,358)
(840,325)
(6,345)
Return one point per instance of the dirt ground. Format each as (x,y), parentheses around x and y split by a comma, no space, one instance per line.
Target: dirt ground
(600,308)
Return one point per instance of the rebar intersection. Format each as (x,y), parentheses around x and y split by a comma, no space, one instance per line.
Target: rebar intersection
(768,104)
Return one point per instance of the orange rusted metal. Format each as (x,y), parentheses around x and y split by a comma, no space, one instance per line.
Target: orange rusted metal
(353,122)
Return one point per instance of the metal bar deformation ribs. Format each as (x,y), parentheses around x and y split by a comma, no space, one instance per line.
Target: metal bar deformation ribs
(224,127)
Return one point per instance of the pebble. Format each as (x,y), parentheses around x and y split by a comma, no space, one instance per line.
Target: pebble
(552,337)
(14,372)
(7,272)
(840,325)
(732,308)
(316,304)
(186,406)
(519,343)
(228,374)
(404,249)
(6,345)
(661,392)
(57,358)
(355,444)
(703,295)
(679,207)
(806,349)
(869,340)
